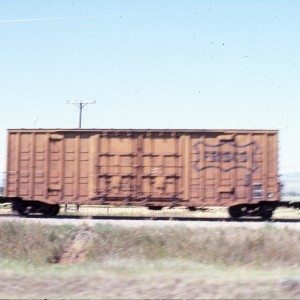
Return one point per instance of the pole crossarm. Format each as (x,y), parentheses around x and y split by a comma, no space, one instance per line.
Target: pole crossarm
(81,105)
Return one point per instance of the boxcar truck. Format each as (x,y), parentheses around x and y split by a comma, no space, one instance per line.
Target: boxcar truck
(237,169)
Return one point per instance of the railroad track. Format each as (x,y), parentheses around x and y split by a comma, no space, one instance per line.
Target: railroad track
(136,221)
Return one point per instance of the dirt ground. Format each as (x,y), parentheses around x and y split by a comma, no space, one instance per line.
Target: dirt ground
(120,280)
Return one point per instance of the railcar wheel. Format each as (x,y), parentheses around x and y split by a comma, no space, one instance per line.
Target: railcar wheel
(26,208)
(266,213)
(266,210)
(192,208)
(155,207)
(21,208)
(50,210)
(235,212)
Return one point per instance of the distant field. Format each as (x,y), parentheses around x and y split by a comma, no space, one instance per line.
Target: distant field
(291,198)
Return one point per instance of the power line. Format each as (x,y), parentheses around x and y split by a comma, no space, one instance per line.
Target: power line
(80,105)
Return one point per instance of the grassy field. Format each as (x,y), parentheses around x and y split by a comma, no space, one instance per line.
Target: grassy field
(105,261)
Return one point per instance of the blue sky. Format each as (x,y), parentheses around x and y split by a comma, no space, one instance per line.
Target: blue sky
(152,64)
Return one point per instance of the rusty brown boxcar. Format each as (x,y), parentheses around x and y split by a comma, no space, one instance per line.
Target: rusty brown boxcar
(237,169)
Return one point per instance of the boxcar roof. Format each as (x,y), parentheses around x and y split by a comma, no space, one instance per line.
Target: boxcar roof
(94,130)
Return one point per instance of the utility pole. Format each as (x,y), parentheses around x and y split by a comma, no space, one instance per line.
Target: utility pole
(80,105)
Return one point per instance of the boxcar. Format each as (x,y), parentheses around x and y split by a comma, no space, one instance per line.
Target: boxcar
(237,169)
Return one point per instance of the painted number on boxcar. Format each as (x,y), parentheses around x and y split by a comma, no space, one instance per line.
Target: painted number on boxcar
(239,155)
(227,156)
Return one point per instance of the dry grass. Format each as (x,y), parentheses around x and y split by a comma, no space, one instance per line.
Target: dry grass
(104,261)
(34,244)
(267,247)
(43,244)
(134,279)
(97,210)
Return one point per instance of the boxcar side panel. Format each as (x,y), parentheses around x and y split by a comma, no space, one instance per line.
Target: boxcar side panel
(161,167)
(12,179)
(143,167)
(233,168)
(117,168)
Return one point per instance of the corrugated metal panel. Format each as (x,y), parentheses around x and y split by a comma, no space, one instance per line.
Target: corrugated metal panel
(143,167)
